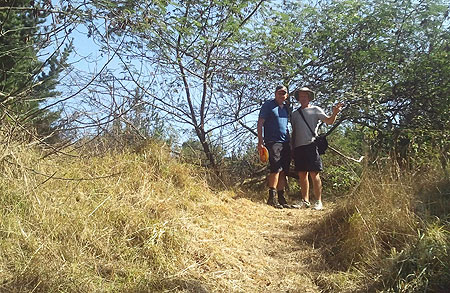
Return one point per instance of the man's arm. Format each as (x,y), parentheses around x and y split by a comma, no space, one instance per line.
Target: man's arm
(291,141)
(260,132)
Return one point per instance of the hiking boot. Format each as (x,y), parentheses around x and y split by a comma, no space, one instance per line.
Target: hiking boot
(282,201)
(302,204)
(272,201)
(318,206)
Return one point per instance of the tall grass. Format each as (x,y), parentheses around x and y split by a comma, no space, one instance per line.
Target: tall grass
(92,224)
(143,221)
(391,234)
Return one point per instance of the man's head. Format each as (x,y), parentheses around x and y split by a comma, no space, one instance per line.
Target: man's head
(304,91)
(281,89)
(281,94)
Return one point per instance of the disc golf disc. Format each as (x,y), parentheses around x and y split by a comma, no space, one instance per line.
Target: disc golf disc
(264,154)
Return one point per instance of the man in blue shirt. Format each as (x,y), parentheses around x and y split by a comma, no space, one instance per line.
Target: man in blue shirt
(273,118)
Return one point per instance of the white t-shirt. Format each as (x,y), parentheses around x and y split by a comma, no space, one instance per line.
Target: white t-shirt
(301,135)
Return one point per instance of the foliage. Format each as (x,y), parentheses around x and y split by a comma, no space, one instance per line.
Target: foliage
(188,44)
(341,174)
(193,153)
(208,66)
(94,223)
(132,222)
(204,68)
(386,60)
(145,221)
(27,81)
(423,266)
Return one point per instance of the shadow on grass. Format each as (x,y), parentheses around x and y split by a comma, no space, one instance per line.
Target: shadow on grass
(36,284)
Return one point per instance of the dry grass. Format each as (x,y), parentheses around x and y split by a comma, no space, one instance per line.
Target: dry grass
(144,222)
(140,222)
(374,233)
(98,233)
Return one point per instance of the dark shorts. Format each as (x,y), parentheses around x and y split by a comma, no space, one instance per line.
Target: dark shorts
(306,158)
(279,156)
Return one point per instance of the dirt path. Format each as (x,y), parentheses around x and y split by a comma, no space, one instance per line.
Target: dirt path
(262,249)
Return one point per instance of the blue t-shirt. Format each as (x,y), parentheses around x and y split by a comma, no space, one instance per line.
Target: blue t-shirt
(275,122)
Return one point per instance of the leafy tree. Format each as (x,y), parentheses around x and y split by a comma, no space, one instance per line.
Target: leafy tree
(387,60)
(188,44)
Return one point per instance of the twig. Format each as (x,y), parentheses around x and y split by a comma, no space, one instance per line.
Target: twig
(109,196)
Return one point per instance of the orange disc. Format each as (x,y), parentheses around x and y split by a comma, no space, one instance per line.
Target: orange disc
(264,154)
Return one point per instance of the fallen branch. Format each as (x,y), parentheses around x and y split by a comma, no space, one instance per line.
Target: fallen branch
(347,157)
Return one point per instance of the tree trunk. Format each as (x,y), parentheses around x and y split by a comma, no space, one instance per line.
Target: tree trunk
(206,148)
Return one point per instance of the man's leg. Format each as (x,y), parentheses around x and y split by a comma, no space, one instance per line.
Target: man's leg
(317,185)
(279,159)
(273,183)
(285,161)
(304,184)
(281,181)
(273,180)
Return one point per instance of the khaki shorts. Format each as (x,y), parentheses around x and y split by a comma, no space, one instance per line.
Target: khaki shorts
(279,156)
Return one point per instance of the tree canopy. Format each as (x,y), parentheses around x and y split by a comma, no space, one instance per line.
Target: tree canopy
(205,67)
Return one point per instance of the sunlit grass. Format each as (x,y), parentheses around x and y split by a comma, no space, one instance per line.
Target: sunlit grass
(144,221)
(88,223)
(379,236)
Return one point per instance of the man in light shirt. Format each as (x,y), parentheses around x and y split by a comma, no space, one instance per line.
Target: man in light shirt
(306,156)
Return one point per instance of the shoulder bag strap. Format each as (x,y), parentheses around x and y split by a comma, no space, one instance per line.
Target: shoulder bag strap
(300,111)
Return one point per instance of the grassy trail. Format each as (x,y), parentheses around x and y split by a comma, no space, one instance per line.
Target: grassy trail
(155,225)
(266,250)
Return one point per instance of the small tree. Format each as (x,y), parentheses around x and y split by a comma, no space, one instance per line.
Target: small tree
(27,81)
(187,47)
